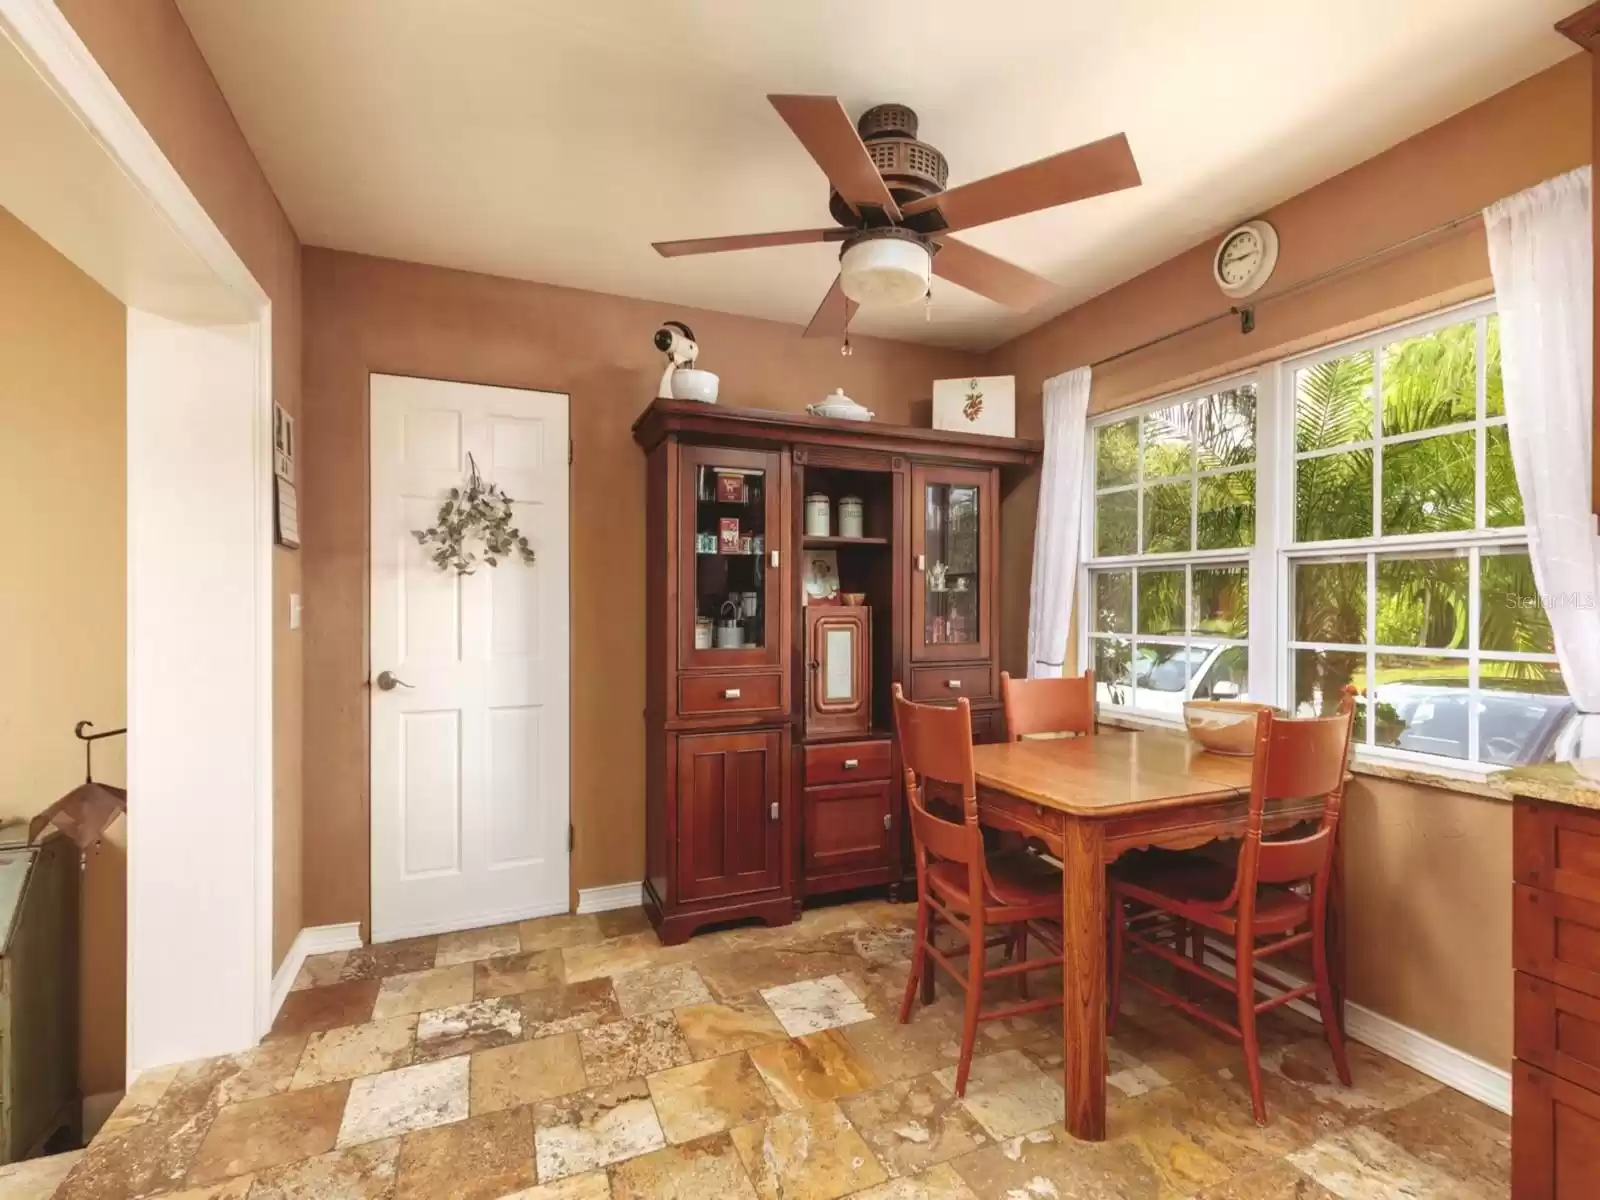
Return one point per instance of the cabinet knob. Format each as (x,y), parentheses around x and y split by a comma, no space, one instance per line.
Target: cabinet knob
(850,764)
(887,821)
(774,810)
(922,562)
(774,558)
(953,684)
(730,693)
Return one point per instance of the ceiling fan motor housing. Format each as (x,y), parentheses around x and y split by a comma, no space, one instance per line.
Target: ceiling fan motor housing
(910,168)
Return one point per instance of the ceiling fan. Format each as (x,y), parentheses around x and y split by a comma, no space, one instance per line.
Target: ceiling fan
(895,218)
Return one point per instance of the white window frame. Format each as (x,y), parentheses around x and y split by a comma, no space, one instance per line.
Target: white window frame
(1276,549)
(1262,598)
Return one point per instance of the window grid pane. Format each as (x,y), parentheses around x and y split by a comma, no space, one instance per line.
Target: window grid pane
(1414,430)
(1456,661)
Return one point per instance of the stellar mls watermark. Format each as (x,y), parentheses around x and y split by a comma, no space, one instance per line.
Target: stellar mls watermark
(1583,601)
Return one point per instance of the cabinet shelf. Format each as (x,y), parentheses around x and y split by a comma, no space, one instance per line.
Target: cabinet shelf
(819,543)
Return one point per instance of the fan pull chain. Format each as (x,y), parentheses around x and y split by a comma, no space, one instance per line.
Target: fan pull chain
(927,305)
(845,348)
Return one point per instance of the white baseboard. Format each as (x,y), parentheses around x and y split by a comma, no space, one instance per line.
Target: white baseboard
(605,899)
(315,939)
(1454,1068)
(1483,1081)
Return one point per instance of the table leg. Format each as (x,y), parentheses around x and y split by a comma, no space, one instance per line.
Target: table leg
(1083,928)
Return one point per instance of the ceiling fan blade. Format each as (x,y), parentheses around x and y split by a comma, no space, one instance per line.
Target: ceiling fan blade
(833,315)
(981,272)
(828,134)
(747,241)
(1091,170)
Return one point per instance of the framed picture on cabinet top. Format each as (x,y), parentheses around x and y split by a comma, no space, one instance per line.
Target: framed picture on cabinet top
(977,404)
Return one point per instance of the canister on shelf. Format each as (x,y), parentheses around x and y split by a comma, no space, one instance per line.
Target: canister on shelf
(851,517)
(818,516)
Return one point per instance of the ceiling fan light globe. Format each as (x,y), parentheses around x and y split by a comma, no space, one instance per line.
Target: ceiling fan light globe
(882,272)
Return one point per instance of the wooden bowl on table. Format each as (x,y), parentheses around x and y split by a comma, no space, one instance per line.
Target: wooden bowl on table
(1223,726)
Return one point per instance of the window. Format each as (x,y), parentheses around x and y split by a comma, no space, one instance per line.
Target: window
(1174,519)
(1389,553)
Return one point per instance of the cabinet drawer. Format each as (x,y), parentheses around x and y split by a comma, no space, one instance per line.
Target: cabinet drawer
(1555,1136)
(1558,1029)
(731,695)
(1557,848)
(1557,938)
(973,681)
(848,762)
(848,827)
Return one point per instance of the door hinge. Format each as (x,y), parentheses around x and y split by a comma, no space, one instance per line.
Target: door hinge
(572,839)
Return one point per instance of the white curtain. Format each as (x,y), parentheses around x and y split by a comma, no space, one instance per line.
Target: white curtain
(1540,252)
(1057,534)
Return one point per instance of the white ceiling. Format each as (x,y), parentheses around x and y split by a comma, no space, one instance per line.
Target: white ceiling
(555,140)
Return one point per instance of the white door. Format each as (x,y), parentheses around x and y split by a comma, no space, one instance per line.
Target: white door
(469,743)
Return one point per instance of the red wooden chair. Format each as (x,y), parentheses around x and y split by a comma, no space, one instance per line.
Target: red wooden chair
(1278,890)
(958,884)
(1034,706)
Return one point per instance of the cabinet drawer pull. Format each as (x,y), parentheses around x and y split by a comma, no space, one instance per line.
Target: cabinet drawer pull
(850,764)
(954,684)
(887,822)
(730,693)
(774,810)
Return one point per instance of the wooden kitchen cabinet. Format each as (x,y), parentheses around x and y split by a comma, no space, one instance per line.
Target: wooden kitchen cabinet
(1555,1080)
(771,771)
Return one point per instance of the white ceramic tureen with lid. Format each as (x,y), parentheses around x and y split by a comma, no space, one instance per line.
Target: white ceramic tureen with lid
(840,407)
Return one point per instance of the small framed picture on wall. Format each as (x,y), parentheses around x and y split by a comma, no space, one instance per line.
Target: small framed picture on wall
(282,444)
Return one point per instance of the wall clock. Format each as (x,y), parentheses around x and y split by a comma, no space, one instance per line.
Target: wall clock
(1245,258)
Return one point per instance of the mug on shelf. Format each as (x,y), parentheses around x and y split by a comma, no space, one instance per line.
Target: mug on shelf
(730,634)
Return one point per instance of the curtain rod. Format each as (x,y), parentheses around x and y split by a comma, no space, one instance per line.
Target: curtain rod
(1247,312)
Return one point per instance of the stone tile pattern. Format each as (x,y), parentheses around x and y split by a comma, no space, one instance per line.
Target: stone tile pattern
(574,1058)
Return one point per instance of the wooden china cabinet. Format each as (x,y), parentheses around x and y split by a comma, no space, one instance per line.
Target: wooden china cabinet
(771,770)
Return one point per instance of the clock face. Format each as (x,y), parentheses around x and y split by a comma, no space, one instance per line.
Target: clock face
(1240,257)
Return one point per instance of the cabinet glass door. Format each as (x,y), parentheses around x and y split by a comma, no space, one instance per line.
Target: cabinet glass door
(953,534)
(732,531)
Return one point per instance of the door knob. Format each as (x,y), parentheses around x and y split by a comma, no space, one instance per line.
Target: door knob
(388,681)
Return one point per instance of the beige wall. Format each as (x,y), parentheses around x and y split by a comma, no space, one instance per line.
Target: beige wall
(373,315)
(1429,870)
(63,588)
(146,49)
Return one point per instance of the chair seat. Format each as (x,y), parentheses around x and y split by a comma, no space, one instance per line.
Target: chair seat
(1020,880)
(1194,887)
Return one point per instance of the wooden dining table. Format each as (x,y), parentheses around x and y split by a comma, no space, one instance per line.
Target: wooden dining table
(1090,800)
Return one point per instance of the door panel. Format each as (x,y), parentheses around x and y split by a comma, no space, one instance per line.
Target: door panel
(838,669)
(954,528)
(848,827)
(469,767)
(729,840)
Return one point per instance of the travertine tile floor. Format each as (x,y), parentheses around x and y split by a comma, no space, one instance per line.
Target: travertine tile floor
(575,1058)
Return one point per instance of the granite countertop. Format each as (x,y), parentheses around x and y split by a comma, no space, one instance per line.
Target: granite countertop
(1572,783)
